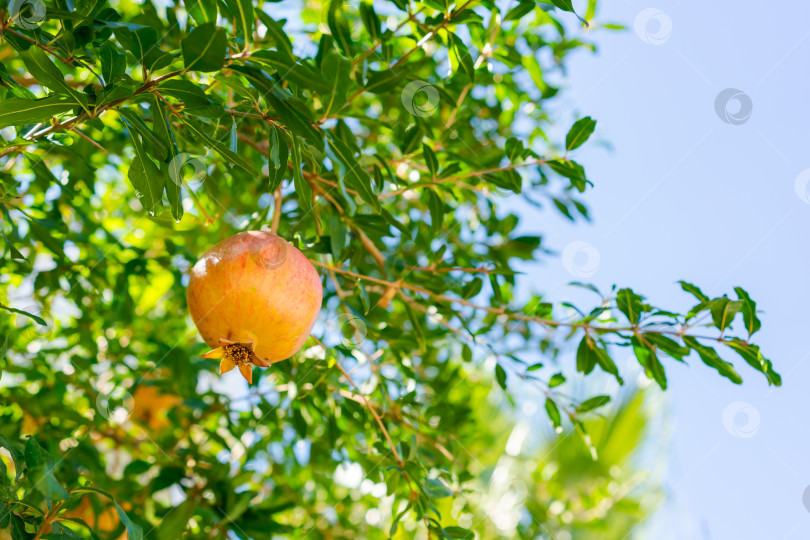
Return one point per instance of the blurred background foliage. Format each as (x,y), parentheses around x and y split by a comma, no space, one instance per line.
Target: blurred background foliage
(433,399)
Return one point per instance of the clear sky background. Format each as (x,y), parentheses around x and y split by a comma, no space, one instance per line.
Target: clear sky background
(681,194)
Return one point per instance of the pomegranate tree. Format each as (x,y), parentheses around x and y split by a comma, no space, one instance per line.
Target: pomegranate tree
(254,298)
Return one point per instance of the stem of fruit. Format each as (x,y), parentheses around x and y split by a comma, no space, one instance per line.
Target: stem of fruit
(276,211)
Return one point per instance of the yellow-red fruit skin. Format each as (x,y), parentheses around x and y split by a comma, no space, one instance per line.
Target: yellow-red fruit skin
(255,287)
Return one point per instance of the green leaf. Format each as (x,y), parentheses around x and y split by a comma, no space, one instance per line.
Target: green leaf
(553,413)
(195,101)
(749,310)
(337,236)
(458,532)
(751,354)
(242,13)
(579,133)
(352,173)
(291,110)
(380,82)
(17,90)
(430,159)
(202,11)
(276,31)
(278,151)
(631,305)
(336,71)
(139,40)
(724,310)
(500,376)
(586,357)
(175,521)
(519,11)
(113,63)
(338,24)
(223,150)
(694,290)
(145,177)
(39,320)
(302,187)
(566,5)
(556,380)
(571,170)
(89,9)
(154,144)
(461,56)
(35,455)
(47,74)
(204,48)
(436,490)
(15,111)
(593,403)
(436,207)
(134,531)
(713,360)
(649,361)
(293,70)
(17,454)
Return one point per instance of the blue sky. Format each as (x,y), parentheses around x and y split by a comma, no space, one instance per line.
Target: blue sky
(681,194)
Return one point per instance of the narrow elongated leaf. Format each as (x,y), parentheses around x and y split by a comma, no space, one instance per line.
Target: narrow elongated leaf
(154,144)
(713,360)
(566,5)
(749,311)
(553,413)
(220,148)
(202,11)
(461,56)
(278,152)
(195,101)
(500,376)
(593,403)
(351,172)
(18,90)
(145,176)
(242,13)
(134,531)
(336,71)
(47,74)
(302,187)
(15,111)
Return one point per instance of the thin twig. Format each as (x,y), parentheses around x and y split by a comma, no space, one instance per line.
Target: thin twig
(473,174)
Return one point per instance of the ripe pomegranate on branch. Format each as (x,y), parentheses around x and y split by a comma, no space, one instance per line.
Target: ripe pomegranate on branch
(254,298)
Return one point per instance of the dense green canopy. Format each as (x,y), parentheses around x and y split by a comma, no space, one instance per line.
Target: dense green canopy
(380,139)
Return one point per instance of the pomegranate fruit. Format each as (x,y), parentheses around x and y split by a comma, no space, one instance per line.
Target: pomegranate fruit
(254,298)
